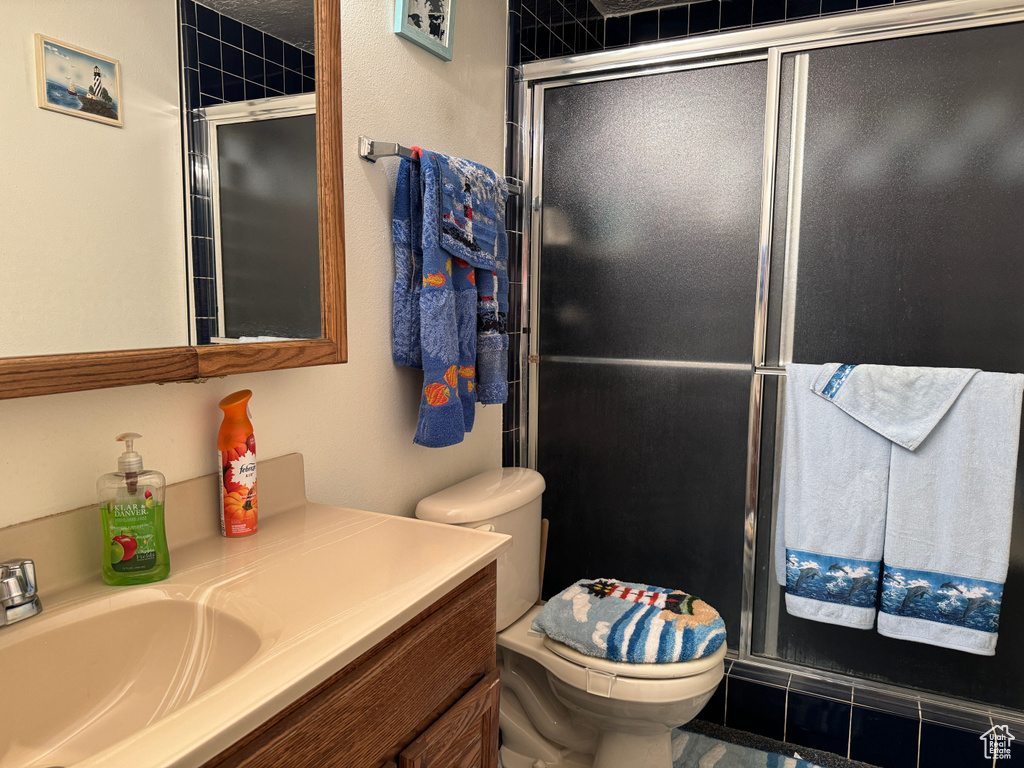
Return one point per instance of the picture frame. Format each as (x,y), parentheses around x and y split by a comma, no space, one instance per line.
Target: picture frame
(78,82)
(430,24)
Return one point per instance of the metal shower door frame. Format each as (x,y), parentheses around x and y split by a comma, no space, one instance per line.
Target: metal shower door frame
(769,43)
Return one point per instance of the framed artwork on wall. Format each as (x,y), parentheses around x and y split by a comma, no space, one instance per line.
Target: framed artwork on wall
(77,82)
(427,23)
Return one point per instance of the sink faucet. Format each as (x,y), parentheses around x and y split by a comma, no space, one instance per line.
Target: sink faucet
(18,598)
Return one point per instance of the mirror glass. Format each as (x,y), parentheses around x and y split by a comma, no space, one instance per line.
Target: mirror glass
(109,234)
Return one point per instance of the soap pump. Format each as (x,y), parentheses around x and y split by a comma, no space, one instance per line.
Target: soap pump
(132,513)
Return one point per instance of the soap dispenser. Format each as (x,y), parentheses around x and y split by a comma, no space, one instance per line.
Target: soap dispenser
(132,511)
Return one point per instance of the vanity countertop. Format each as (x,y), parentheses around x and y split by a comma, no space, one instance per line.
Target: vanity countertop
(320,585)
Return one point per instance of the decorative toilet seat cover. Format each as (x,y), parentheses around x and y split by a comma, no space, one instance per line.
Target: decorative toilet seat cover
(633,623)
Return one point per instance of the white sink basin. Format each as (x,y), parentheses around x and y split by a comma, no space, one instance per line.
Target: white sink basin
(78,680)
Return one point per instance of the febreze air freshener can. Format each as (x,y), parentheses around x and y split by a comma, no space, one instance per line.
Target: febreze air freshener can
(237,446)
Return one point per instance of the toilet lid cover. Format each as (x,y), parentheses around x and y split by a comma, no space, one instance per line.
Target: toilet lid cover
(633,623)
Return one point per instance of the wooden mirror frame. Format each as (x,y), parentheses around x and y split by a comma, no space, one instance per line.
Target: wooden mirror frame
(50,374)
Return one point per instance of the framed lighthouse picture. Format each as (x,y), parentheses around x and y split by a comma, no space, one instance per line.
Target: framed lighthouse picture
(427,23)
(77,82)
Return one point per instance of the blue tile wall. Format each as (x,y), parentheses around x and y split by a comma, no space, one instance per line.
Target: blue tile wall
(224,61)
(880,729)
(552,28)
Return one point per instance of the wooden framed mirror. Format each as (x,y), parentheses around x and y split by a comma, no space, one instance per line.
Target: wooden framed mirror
(26,376)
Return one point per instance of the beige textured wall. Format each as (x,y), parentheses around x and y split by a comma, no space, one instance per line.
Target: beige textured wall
(91,231)
(354,422)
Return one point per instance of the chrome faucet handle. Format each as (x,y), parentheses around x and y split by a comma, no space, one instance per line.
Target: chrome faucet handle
(17,582)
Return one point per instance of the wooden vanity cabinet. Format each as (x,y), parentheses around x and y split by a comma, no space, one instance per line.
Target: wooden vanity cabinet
(424,697)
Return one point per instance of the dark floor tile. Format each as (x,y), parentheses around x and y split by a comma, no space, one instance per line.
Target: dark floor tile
(308,84)
(941,746)
(755,708)
(882,739)
(818,723)
(308,64)
(673,22)
(595,34)
(643,27)
(769,11)
(873,3)
(188,11)
(616,31)
(704,17)
(736,13)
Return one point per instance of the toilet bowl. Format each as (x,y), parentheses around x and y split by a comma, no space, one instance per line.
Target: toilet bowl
(560,708)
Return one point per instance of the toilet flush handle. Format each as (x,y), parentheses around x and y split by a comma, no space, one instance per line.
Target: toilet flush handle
(487,527)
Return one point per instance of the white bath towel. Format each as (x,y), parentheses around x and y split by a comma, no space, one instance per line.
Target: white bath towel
(949,492)
(834,476)
(950,509)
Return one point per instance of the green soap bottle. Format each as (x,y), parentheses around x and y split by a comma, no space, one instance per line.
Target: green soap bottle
(132,510)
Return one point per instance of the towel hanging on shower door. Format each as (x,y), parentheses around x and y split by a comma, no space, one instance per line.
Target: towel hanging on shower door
(948,480)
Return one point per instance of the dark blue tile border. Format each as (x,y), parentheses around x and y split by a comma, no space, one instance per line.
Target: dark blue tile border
(818,723)
(559,28)
(756,708)
(951,746)
(882,739)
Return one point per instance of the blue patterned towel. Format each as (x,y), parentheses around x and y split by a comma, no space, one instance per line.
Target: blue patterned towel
(472,200)
(448,229)
(635,623)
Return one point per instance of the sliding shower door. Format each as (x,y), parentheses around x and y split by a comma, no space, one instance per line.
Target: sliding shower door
(644,320)
(898,241)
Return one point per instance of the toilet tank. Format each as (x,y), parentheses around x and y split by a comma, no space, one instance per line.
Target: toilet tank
(506,501)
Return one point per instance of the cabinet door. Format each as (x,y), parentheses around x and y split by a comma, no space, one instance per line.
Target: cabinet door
(466,736)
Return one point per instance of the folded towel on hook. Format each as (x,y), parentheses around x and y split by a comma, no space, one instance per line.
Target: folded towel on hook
(472,229)
(448,227)
(948,484)
(636,623)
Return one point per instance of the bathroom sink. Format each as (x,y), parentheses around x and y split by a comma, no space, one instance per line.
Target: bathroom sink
(82,678)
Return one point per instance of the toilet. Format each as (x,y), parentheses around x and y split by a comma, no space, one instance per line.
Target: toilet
(559,708)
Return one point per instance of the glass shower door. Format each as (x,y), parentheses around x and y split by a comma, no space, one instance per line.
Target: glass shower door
(650,191)
(897,242)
